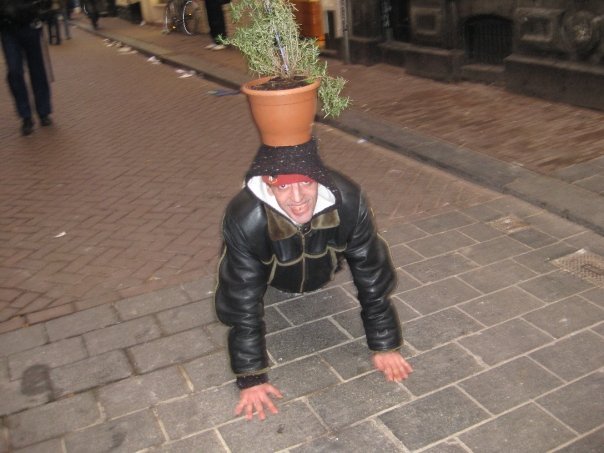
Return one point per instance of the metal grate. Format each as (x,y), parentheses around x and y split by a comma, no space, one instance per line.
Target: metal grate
(488,39)
(583,264)
(508,224)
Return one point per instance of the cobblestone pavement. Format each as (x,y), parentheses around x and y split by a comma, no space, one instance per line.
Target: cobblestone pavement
(109,238)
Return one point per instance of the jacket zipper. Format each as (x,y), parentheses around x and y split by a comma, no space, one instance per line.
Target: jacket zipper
(303,261)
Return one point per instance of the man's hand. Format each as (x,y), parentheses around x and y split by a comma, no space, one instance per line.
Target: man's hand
(256,398)
(392,364)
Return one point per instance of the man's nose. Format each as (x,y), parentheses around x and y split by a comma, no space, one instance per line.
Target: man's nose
(296,192)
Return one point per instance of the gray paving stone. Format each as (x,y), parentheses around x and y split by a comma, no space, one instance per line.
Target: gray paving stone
(81,322)
(592,443)
(554,226)
(22,340)
(316,305)
(273,295)
(494,250)
(440,243)
(357,399)
(135,307)
(433,330)
(306,339)
(274,321)
(573,357)
(440,367)
(434,269)
(569,315)
(350,359)
(594,183)
(51,355)
(401,233)
(595,295)
(50,446)
(511,384)
(496,276)
(404,311)
(481,212)
(446,447)
(541,260)
(555,286)
(198,412)
(131,433)
(480,232)
(351,321)
(122,335)
(590,240)
(187,316)
(16,397)
(207,442)
(439,295)
(3,370)
(527,428)
(533,238)
(210,370)
(140,392)
(52,420)
(200,289)
(177,348)
(90,373)
(218,333)
(432,418)
(599,329)
(501,305)
(444,222)
(404,282)
(402,255)
(505,341)
(294,424)
(580,405)
(365,437)
(510,205)
(317,376)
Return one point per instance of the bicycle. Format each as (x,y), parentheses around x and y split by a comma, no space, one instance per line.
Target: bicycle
(182,15)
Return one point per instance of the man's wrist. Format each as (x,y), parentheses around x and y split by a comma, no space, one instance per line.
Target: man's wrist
(251,380)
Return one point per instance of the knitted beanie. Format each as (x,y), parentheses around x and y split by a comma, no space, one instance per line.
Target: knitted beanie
(300,159)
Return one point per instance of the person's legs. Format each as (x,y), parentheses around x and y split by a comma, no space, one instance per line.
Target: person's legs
(215,19)
(11,48)
(37,72)
(93,12)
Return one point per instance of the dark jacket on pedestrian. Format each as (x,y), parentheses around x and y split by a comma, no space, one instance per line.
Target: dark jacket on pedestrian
(18,13)
(263,247)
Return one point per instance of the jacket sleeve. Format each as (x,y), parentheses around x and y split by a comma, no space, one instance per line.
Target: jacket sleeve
(374,277)
(242,282)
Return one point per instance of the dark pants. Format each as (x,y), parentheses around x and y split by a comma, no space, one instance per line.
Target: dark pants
(26,41)
(93,11)
(215,19)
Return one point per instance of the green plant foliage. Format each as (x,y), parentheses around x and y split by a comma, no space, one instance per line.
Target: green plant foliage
(268,36)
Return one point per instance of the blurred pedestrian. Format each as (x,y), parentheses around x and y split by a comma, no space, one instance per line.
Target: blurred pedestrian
(216,23)
(92,10)
(21,33)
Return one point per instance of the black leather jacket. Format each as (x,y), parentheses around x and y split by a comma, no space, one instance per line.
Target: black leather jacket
(262,247)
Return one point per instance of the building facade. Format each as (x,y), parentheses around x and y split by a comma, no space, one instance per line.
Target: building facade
(552,49)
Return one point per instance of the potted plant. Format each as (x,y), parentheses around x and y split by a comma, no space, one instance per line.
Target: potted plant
(289,68)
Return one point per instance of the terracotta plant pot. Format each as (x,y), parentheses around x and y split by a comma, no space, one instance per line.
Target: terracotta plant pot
(283,117)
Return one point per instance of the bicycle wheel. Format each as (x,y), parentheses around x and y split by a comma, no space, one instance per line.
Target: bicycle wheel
(170,17)
(191,13)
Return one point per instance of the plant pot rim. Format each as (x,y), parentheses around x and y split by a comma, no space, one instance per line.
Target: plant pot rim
(246,88)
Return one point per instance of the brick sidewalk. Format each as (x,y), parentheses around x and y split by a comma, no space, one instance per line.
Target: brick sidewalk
(109,237)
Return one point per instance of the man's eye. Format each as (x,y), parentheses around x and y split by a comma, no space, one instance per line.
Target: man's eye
(282,186)
(306,183)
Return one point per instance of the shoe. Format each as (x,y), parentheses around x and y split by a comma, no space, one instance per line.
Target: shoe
(27,127)
(45,121)
(218,47)
(210,46)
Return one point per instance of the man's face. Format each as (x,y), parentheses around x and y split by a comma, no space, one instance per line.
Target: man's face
(298,199)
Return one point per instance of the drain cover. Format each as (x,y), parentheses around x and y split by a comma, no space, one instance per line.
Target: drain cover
(508,224)
(583,264)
